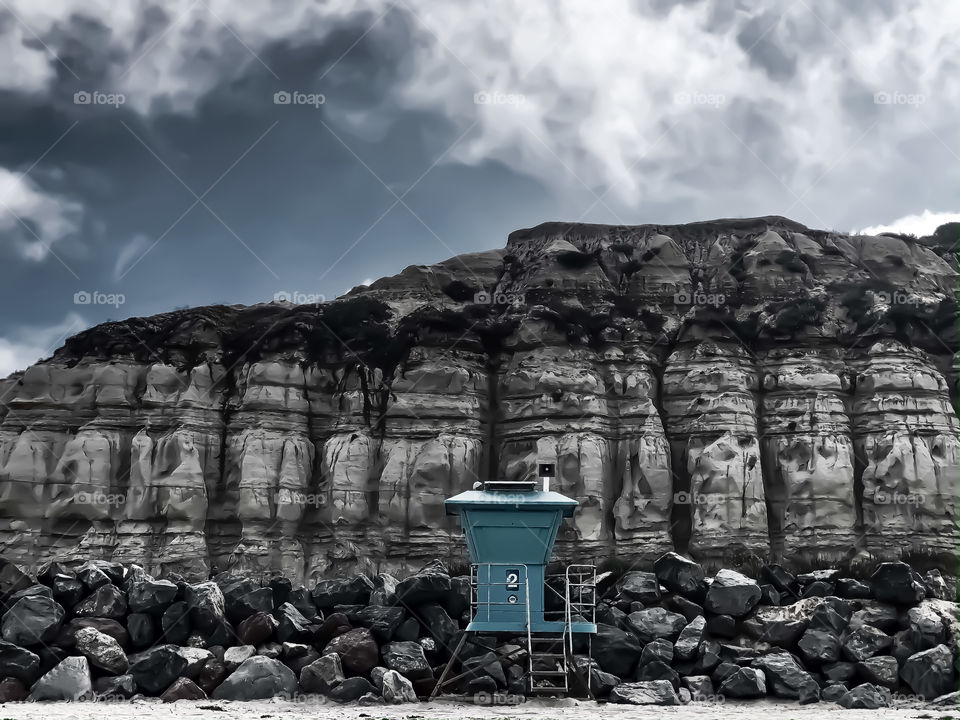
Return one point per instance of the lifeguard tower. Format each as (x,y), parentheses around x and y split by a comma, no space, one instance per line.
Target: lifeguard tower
(510,528)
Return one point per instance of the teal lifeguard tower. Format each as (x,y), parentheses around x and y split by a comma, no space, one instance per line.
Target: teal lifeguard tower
(510,529)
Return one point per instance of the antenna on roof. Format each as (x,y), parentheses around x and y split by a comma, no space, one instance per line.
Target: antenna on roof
(547,471)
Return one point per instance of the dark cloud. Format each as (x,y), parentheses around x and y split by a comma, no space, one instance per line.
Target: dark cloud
(306,197)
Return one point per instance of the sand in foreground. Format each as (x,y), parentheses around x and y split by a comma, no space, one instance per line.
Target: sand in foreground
(444,710)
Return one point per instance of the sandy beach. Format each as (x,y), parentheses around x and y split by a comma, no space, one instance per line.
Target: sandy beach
(441,710)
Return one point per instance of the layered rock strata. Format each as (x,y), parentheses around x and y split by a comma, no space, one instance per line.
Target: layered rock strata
(729,388)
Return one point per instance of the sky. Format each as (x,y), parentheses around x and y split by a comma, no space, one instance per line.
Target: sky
(157,155)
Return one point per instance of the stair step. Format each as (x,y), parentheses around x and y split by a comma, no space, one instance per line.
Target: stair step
(549,673)
(549,689)
(546,656)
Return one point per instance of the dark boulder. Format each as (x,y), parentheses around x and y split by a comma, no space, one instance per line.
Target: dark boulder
(653,692)
(769,595)
(175,623)
(689,609)
(839,671)
(898,584)
(256,629)
(32,620)
(430,584)
(384,590)
(658,670)
(853,589)
(925,627)
(783,582)
(154,670)
(183,689)
(732,594)
(639,586)
(699,686)
(880,670)
(301,599)
(329,593)
(281,588)
(13,690)
(930,672)
(67,637)
(242,597)
(782,626)
(92,577)
(615,650)
(680,575)
(146,595)
(819,647)
(818,588)
(382,621)
(785,677)
(708,657)
(656,622)
(335,624)
(19,663)
(357,649)
(744,683)
(879,615)
(258,678)
(486,665)
(107,601)
(292,626)
(407,658)
(351,689)
(211,675)
(865,642)
(689,639)
(207,606)
(438,624)
(322,675)
(722,626)
(142,629)
(660,649)
(12,579)
(865,697)
(67,590)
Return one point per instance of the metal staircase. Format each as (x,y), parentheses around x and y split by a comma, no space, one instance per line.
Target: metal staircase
(550,655)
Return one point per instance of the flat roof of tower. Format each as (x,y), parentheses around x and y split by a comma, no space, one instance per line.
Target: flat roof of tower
(489,500)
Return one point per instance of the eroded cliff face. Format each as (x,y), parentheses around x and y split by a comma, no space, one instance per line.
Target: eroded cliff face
(728,388)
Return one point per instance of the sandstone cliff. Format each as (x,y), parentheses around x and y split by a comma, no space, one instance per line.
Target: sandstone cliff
(725,388)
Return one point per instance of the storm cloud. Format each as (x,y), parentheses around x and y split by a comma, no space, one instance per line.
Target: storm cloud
(192,152)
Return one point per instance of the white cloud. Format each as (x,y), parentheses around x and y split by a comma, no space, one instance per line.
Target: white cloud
(595,86)
(32,219)
(923,224)
(131,252)
(30,344)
